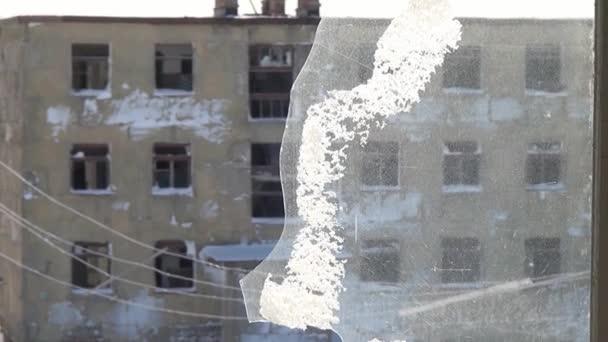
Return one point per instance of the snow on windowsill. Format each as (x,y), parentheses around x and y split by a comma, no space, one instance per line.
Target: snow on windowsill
(379,188)
(90,292)
(100,94)
(268,120)
(543,93)
(156,191)
(176,290)
(173,92)
(463,91)
(546,187)
(463,286)
(461,189)
(268,220)
(93,192)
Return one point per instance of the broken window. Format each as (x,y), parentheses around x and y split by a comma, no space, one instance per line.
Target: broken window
(543,257)
(267,193)
(271,76)
(461,163)
(380,164)
(174,66)
(380,261)
(90,66)
(462,68)
(174,265)
(90,167)
(96,254)
(461,260)
(543,165)
(171,166)
(543,68)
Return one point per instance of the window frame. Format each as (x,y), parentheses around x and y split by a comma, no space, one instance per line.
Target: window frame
(274,177)
(544,154)
(561,87)
(90,92)
(476,50)
(172,190)
(174,91)
(365,155)
(284,97)
(107,159)
(476,248)
(85,245)
(190,255)
(536,245)
(464,156)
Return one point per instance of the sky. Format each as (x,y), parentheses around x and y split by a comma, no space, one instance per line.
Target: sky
(332,8)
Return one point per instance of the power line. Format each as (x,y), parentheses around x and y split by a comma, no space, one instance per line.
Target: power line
(119,300)
(21,221)
(110,229)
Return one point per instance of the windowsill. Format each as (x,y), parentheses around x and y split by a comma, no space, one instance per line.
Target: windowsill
(269,220)
(461,189)
(176,290)
(165,192)
(100,94)
(371,188)
(269,120)
(462,286)
(173,92)
(462,91)
(544,93)
(91,192)
(92,292)
(546,187)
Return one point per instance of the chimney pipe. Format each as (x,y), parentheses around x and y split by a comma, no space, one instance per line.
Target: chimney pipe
(274,8)
(226,8)
(308,8)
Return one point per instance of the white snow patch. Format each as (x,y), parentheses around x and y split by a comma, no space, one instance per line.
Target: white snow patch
(93,192)
(186,225)
(64,313)
(58,118)
(172,191)
(173,221)
(576,232)
(125,86)
(99,94)
(210,209)
(78,155)
(140,114)
(461,188)
(382,208)
(28,194)
(121,205)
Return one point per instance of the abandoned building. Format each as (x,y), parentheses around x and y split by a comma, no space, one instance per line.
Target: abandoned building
(155,143)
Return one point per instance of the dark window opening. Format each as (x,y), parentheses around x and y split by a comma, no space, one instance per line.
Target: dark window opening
(461,260)
(271,76)
(174,66)
(543,165)
(543,68)
(543,257)
(380,164)
(173,265)
(461,163)
(90,66)
(90,167)
(267,193)
(380,261)
(96,254)
(462,68)
(172,166)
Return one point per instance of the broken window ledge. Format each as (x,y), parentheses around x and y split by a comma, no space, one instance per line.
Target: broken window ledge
(175,290)
(100,94)
(546,187)
(379,188)
(93,192)
(187,192)
(461,189)
(463,91)
(173,92)
(545,93)
(90,292)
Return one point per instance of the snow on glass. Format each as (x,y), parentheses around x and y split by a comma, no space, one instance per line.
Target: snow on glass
(383,242)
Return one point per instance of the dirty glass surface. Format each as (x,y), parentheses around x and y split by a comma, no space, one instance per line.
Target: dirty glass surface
(443,186)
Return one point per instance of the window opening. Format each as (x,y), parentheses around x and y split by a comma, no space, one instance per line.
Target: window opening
(96,254)
(90,167)
(543,165)
(380,261)
(90,66)
(461,260)
(543,68)
(380,164)
(461,163)
(174,66)
(543,257)
(172,166)
(270,80)
(267,192)
(462,68)
(174,265)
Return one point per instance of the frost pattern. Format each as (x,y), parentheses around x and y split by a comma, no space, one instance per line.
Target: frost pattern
(412,47)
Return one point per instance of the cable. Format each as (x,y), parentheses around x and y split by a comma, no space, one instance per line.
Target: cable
(25,223)
(110,229)
(123,301)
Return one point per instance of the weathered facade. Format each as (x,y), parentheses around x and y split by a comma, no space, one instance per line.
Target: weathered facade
(165,158)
